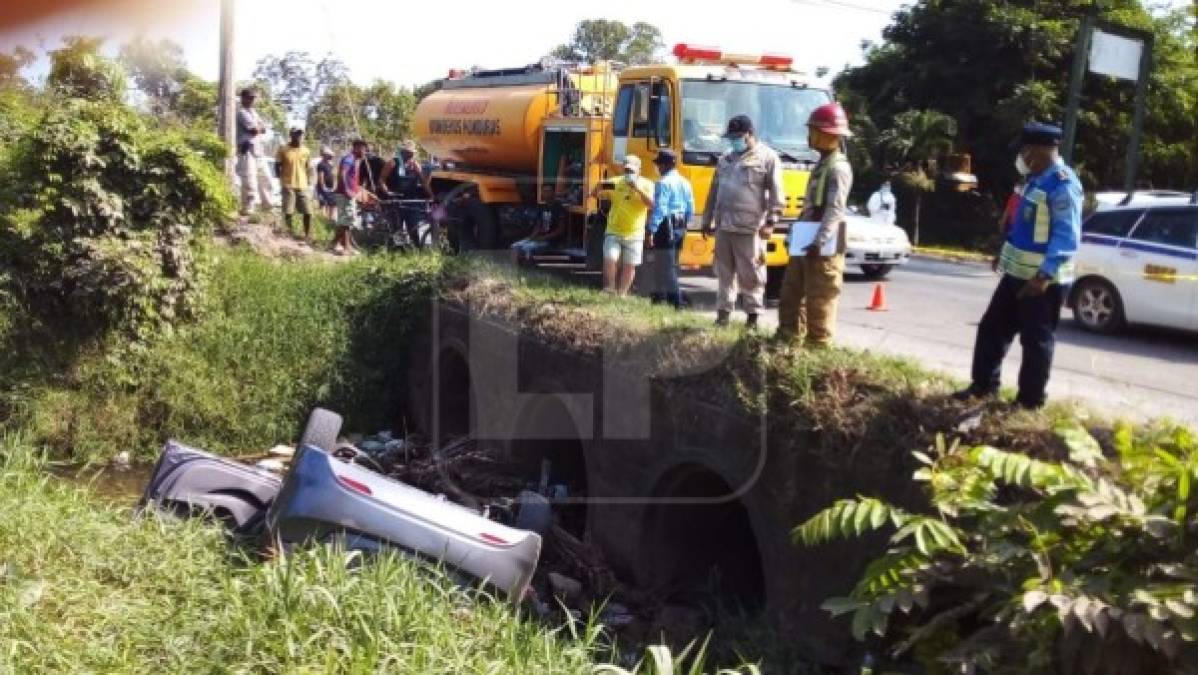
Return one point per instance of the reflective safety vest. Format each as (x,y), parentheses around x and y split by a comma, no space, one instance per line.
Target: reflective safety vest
(1024,251)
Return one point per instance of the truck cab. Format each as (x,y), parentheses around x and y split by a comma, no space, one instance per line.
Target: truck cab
(685,106)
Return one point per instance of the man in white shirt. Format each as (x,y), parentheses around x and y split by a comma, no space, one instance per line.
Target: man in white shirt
(251,166)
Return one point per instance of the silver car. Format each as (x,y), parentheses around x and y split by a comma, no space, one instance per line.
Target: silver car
(323,498)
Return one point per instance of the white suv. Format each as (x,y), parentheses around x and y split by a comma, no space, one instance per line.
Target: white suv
(1138,264)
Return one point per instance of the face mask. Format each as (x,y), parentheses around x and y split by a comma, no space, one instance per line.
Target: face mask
(739,144)
(886,187)
(1021,165)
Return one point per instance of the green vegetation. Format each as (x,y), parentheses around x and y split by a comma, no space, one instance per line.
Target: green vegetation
(85,588)
(1083,563)
(273,339)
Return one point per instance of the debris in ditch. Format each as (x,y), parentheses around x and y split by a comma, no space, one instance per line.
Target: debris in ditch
(123,460)
(281,451)
(564,587)
(271,464)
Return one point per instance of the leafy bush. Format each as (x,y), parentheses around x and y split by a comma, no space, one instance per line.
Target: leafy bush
(103,218)
(1087,564)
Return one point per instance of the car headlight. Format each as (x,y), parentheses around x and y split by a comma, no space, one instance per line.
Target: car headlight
(856,239)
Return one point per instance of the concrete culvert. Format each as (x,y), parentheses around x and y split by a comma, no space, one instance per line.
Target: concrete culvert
(454,396)
(698,545)
(548,451)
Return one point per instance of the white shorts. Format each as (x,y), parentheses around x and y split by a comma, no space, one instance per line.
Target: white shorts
(619,249)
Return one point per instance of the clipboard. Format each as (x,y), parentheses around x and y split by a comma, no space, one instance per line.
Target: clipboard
(802,234)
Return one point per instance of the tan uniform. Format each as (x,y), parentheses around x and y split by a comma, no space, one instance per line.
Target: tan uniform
(811,288)
(745,190)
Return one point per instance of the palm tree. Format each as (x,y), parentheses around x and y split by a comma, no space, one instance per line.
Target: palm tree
(918,138)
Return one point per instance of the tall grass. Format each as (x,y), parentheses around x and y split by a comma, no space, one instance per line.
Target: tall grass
(85,587)
(276,339)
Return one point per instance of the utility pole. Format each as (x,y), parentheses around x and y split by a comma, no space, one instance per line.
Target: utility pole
(227,112)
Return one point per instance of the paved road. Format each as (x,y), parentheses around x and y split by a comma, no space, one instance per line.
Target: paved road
(934,310)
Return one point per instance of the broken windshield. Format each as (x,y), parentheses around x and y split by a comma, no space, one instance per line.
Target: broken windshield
(779,113)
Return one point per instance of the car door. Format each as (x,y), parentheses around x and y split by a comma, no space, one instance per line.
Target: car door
(1157,265)
(1101,234)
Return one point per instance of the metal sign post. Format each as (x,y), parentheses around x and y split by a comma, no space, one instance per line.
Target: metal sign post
(1115,51)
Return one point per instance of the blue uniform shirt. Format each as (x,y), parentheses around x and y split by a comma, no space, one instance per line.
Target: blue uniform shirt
(672,196)
(1048,222)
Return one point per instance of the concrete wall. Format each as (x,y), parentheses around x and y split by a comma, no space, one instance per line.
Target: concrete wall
(701,484)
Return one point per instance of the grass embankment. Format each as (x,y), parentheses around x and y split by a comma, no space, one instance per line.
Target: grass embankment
(85,588)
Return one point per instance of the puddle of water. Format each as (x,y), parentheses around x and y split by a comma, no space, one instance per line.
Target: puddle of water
(110,483)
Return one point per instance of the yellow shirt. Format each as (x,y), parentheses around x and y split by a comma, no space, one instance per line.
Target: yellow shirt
(293,167)
(628,213)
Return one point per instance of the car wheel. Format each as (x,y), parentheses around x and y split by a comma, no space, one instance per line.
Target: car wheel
(1097,306)
(876,271)
(322,430)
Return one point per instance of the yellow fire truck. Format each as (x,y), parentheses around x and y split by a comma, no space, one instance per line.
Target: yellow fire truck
(508,142)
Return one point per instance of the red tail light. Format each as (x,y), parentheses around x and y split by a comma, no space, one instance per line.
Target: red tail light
(492,539)
(354,485)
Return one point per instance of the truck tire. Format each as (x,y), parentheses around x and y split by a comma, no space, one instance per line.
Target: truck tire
(322,430)
(773,281)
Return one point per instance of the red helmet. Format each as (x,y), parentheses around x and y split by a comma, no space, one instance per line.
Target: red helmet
(830,119)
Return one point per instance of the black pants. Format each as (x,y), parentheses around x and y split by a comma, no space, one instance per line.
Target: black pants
(1035,320)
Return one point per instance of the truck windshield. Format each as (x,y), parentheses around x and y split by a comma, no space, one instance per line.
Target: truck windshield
(779,113)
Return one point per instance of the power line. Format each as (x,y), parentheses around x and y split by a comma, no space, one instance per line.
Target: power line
(844,5)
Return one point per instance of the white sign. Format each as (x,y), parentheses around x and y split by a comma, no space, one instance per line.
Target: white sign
(1116,55)
(802,235)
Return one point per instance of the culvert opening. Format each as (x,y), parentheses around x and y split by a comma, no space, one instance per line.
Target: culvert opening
(703,549)
(548,451)
(453,395)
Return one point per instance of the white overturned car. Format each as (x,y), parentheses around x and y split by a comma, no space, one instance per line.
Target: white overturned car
(324,498)
(875,245)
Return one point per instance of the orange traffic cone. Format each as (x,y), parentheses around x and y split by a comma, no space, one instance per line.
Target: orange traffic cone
(878,303)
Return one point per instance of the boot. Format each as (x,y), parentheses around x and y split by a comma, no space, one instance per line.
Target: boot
(721,318)
(751,322)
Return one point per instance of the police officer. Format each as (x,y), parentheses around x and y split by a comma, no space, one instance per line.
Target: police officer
(1036,262)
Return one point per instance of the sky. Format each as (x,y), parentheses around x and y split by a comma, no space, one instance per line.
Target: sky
(413,42)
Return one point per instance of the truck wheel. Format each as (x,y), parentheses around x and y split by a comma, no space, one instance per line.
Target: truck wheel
(322,430)
(773,281)
(876,271)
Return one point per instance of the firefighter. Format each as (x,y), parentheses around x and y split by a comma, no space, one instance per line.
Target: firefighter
(811,288)
(744,204)
(1036,262)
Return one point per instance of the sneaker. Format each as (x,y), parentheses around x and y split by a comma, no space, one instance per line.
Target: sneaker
(971,392)
(1027,405)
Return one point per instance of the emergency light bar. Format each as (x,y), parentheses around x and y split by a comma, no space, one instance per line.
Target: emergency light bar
(688,53)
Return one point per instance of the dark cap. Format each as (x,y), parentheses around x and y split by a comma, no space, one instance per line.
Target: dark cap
(249,92)
(741,124)
(665,156)
(296,131)
(1038,133)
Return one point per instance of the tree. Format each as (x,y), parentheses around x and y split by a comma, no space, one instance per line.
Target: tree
(608,40)
(78,70)
(992,66)
(158,71)
(11,64)
(296,81)
(918,137)
(380,113)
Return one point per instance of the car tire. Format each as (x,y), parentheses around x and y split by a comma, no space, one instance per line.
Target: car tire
(876,271)
(1097,306)
(322,430)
